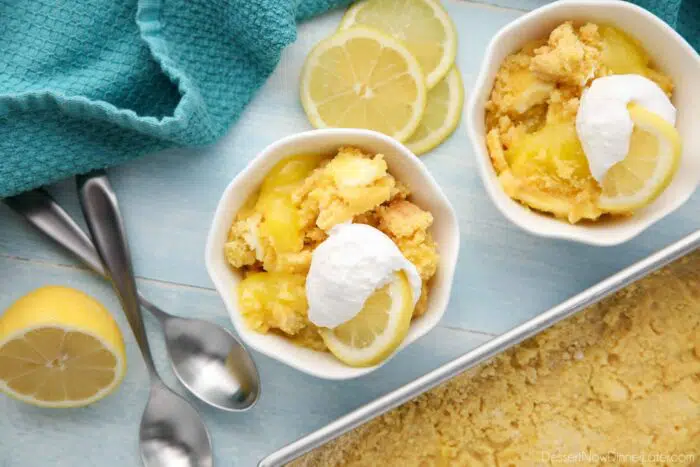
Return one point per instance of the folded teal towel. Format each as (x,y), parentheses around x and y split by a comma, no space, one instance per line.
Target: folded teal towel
(682,15)
(92,83)
(88,84)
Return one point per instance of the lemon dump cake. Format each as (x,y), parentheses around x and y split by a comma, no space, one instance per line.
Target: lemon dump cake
(621,378)
(551,157)
(307,201)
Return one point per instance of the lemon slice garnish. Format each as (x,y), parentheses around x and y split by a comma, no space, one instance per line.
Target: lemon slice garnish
(442,113)
(377,331)
(59,348)
(362,78)
(648,168)
(422,25)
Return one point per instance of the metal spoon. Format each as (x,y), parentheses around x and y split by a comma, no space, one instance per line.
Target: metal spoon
(207,359)
(172,432)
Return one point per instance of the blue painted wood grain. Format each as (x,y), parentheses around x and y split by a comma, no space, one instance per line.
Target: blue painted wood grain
(105,433)
(522,5)
(504,276)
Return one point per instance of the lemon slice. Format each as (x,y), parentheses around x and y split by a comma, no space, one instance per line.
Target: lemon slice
(422,25)
(441,116)
(362,78)
(377,331)
(648,168)
(59,348)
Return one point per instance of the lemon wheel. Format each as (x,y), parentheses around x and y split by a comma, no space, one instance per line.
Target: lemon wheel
(362,78)
(648,168)
(378,330)
(442,113)
(422,25)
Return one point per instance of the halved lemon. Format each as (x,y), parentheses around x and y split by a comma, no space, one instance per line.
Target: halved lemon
(59,348)
(648,168)
(377,331)
(442,113)
(422,25)
(362,78)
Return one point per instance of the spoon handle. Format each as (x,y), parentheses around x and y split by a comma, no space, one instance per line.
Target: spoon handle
(44,213)
(40,209)
(101,210)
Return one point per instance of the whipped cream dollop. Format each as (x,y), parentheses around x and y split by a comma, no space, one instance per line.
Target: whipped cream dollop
(353,262)
(603,123)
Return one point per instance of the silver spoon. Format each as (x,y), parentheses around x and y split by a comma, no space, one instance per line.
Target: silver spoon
(207,359)
(172,432)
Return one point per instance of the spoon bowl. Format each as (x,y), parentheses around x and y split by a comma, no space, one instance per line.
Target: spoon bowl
(171,432)
(208,365)
(207,359)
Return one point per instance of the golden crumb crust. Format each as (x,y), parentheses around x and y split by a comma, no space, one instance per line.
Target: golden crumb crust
(350,186)
(531,112)
(621,377)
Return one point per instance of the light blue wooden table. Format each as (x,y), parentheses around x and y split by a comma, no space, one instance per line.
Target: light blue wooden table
(504,276)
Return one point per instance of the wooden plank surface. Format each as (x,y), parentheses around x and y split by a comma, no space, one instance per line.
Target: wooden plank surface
(106,433)
(504,276)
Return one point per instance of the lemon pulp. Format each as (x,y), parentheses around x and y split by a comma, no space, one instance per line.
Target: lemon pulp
(59,348)
(362,78)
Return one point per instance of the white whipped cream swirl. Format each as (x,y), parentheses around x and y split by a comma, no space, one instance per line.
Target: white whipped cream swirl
(603,123)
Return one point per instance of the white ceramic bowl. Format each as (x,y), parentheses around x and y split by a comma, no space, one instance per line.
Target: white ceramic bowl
(669,51)
(405,166)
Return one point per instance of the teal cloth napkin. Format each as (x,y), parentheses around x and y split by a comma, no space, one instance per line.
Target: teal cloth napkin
(682,15)
(88,84)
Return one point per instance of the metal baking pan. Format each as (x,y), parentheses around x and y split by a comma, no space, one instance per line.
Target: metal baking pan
(478,355)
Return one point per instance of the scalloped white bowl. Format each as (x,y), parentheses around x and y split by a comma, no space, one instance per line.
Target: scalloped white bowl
(669,51)
(405,166)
